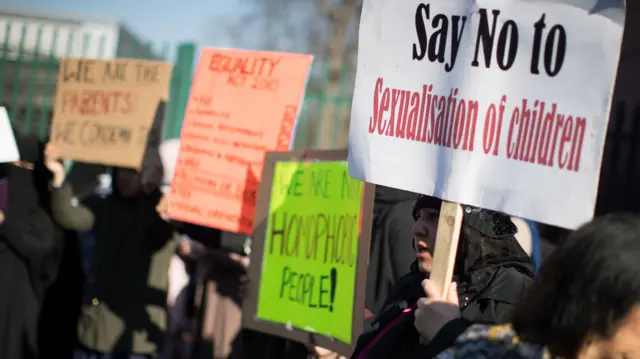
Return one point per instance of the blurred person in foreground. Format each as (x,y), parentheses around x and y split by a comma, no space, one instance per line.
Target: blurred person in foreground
(492,272)
(27,246)
(124,303)
(63,300)
(584,305)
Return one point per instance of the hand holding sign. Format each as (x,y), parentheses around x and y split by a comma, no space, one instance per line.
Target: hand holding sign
(323,353)
(435,310)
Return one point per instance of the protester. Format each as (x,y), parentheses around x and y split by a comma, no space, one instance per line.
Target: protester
(585,304)
(124,304)
(27,243)
(391,248)
(180,293)
(180,299)
(221,280)
(63,300)
(101,190)
(178,339)
(492,272)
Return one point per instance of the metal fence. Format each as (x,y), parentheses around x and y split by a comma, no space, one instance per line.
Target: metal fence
(29,66)
(324,118)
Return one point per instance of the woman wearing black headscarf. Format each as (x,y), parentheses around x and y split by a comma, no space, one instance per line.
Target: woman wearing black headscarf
(492,271)
(27,240)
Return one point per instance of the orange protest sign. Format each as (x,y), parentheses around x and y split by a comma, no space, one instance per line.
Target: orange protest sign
(243,103)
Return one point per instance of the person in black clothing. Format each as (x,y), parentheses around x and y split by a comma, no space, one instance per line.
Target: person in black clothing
(28,241)
(491,271)
(63,299)
(567,313)
(391,248)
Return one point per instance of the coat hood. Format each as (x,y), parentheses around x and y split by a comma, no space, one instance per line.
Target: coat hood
(393,195)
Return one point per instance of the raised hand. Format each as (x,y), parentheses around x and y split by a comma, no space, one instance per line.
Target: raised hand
(435,311)
(53,163)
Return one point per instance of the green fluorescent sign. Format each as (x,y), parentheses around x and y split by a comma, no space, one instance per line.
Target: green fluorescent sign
(311,244)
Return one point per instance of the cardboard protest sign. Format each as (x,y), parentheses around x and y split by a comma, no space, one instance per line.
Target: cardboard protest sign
(8,148)
(242,104)
(310,250)
(105,108)
(485,102)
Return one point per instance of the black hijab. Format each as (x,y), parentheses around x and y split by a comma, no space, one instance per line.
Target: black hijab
(491,271)
(487,240)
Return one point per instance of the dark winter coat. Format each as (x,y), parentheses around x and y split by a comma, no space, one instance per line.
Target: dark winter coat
(492,272)
(27,246)
(488,297)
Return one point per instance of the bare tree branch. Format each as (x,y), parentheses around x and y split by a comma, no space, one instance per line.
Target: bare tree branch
(328,29)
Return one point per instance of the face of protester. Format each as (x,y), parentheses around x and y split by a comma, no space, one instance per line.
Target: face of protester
(128,183)
(623,344)
(424,237)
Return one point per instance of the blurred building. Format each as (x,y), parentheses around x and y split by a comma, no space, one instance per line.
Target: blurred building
(32,41)
(31,44)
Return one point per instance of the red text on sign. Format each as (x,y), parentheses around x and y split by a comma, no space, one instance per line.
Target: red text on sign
(537,132)
(98,102)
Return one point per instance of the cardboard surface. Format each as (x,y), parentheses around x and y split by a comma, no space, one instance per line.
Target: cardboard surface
(105,108)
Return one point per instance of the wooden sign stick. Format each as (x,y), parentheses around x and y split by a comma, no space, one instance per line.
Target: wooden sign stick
(444,256)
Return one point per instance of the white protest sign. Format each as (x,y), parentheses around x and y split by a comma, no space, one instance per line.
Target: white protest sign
(493,103)
(8,148)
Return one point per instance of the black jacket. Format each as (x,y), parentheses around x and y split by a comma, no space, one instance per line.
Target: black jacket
(486,295)
(28,239)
